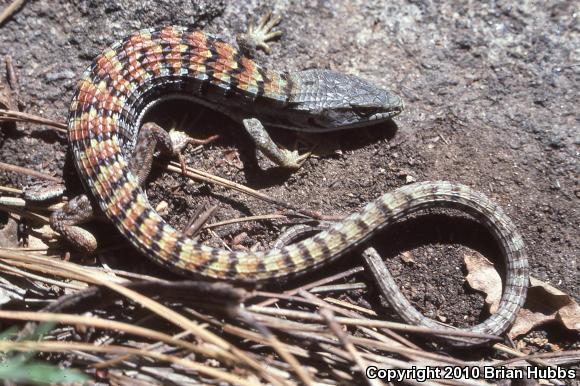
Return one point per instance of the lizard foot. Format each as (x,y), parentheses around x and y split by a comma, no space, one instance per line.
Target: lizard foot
(66,220)
(171,143)
(180,140)
(293,159)
(258,36)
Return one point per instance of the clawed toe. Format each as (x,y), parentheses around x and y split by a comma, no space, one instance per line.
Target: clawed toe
(180,140)
(259,36)
(293,159)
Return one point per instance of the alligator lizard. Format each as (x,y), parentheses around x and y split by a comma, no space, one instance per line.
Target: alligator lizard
(124,80)
(512,250)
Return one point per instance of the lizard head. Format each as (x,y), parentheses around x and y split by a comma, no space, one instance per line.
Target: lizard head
(332,101)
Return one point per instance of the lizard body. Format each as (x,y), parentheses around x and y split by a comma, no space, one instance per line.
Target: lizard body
(128,77)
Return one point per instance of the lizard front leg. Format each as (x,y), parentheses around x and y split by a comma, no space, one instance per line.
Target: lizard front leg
(282,157)
(257,37)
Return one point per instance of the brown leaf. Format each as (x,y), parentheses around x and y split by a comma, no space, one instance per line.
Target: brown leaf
(544,304)
(8,237)
(482,276)
(408,257)
(232,158)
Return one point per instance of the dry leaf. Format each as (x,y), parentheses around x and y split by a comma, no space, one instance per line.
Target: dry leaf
(232,158)
(408,257)
(8,237)
(482,276)
(544,304)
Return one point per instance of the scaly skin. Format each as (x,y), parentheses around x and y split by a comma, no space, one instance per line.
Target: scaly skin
(128,76)
(418,196)
(103,128)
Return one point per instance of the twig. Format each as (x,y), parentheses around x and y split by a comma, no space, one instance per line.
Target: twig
(370,323)
(28,172)
(20,207)
(277,346)
(10,190)
(391,362)
(11,9)
(338,287)
(122,358)
(349,306)
(389,335)
(245,219)
(574,354)
(54,346)
(207,177)
(198,220)
(11,76)
(392,337)
(343,338)
(166,313)
(18,272)
(329,279)
(17,116)
(519,354)
(114,326)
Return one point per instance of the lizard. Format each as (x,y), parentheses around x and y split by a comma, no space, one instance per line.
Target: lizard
(131,75)
(153,65)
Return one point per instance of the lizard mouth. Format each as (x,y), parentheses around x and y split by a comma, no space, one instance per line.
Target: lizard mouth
(390,113)
(397,107)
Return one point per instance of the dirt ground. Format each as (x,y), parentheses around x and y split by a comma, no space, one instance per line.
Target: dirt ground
(491,93)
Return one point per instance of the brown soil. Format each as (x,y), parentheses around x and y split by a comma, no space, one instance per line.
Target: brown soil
(491,96)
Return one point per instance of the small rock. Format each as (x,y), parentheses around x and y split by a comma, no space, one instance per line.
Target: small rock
(64,74)
(162,208)
(515,144)
(556,143)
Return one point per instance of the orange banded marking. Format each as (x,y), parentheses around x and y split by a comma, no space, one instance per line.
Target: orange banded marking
(249,77)
(120,200)
(170,35)
(153,59)
(131,215)
(148,228)
(197,39)
(167,243)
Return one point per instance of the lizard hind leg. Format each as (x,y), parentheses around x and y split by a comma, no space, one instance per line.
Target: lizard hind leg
(66,220)
(171,142)
(80,209)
